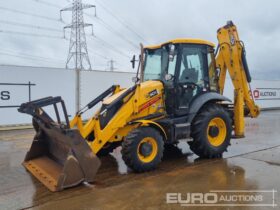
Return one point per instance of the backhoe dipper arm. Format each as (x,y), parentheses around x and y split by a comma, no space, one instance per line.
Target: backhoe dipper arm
(231,57)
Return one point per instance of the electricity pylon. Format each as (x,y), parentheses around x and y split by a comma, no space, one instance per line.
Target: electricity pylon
(78,54)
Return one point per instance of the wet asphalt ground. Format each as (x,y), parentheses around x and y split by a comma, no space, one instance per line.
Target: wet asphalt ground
(252,163)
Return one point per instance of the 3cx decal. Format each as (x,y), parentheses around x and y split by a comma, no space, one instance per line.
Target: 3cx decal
(153,93)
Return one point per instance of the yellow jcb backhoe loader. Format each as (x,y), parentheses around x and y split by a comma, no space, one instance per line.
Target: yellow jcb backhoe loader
(177,95)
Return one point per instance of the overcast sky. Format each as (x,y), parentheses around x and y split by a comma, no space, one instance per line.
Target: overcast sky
(132,22)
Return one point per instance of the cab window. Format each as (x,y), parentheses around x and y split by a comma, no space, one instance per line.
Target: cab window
(156,62)
(192,65)
(213,81)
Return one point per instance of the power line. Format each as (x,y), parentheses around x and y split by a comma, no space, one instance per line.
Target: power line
(29,26)
(78,52)
(104,24)
(47,3)
(120,64)
(106,58)
(29,58)
(110,28)
(28,14)
(29,55)
(111,47)
(103,42)
(30,34)
(99,55)
(121,21)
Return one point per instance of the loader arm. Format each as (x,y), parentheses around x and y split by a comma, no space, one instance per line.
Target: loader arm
(87,127)
(231,57)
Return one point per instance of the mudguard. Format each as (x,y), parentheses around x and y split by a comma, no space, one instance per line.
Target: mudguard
(198,102)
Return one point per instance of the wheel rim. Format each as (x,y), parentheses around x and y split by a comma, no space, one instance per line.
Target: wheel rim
(147,149)
(216,131)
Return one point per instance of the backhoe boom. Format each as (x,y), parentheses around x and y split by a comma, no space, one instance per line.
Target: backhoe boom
(231,57)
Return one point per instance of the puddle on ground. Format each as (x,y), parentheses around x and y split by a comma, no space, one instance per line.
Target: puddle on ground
(18,189)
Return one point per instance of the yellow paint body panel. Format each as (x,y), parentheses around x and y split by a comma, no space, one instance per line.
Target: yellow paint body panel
(183,41)
(229,58)
(135,105)
(114,97)
(154,124)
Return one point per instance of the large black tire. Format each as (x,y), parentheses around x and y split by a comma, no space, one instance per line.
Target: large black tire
(211,132)
(142,149)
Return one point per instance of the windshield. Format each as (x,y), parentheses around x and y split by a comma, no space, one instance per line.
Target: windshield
(156,62)
(159,62)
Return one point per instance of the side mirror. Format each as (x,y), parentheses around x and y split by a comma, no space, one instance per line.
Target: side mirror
(133,61)
(169,77)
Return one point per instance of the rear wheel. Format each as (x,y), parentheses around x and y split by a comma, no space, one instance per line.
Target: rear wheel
(142,149)
(211,132)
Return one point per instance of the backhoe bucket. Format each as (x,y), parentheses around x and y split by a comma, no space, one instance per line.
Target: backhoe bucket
(59,157)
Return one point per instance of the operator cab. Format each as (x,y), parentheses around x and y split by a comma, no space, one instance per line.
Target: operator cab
(187,69)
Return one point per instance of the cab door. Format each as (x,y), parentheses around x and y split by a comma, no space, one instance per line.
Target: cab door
(169,83)
(191,76)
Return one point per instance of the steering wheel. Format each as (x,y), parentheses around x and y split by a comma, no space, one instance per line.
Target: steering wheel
(189,85)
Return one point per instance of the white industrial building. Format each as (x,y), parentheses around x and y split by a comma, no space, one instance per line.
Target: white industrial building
(20,84)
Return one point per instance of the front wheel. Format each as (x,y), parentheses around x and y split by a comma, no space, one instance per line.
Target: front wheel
(211,132)
(142,149)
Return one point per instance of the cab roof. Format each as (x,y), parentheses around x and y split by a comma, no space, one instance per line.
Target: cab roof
(183,40)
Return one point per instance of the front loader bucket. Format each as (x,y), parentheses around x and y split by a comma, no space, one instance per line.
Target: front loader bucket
(59,157)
